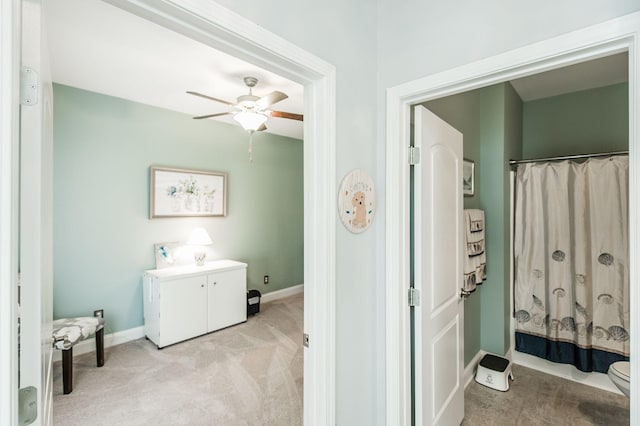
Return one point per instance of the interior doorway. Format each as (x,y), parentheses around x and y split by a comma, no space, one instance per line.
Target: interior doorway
(561,51)
(216,27)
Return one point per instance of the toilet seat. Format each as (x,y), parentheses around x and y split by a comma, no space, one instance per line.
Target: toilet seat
(621,369)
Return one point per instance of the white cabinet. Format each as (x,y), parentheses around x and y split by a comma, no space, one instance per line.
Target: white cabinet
(188,301)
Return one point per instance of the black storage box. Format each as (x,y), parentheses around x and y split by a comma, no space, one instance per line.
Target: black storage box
(253,302)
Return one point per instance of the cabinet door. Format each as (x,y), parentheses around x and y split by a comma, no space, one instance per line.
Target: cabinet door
(183,312)
(227,298)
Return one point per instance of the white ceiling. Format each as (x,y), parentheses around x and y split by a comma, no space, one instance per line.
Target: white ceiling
(98,47)
(583,76)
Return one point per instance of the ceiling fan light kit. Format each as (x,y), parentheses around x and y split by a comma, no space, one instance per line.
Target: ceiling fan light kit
(251,112)
(250,121)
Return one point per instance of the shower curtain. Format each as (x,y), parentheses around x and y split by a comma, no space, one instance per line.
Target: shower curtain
(571,259)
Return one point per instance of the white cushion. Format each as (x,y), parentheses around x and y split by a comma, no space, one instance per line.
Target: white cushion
(69,331)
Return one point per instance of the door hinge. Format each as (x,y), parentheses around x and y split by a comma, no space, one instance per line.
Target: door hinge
(414,155)
(414,296)
(305,340)
(28,86)
(27,405)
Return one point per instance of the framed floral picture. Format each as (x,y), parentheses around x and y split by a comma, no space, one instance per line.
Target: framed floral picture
(187,193)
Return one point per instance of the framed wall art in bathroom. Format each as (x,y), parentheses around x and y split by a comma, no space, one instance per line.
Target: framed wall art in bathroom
(468,178)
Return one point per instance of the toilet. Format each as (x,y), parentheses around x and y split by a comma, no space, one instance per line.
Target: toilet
(620,374)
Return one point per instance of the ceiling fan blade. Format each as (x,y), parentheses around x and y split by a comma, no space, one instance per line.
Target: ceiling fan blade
(212,115)
(289,115)
(270,99)
(210,98)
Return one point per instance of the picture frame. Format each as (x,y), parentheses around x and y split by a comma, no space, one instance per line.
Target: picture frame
(468,177)
(166,254)
(186,193)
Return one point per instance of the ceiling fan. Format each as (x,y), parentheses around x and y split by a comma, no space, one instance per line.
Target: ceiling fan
(251,111)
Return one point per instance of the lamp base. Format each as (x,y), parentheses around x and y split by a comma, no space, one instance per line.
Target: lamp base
(199,258)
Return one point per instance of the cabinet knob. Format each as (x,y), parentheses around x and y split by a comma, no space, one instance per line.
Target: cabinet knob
(215,282)
(202,285)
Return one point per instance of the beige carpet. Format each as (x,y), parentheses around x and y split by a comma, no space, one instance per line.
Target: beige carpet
(539,399)
(248,374)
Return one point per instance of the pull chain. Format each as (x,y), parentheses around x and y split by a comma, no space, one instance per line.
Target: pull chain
(250,146)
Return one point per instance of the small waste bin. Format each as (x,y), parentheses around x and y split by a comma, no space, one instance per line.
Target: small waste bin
(253,302)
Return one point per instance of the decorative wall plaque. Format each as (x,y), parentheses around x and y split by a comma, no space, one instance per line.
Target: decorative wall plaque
(357,201)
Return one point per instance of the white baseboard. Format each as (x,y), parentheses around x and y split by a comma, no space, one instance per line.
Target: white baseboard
(112,339)
(124,336)
(566,371)
(280,294)
(470,369)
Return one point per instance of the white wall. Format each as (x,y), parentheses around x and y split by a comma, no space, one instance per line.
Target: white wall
(344,33)
(418,38)
(376,45)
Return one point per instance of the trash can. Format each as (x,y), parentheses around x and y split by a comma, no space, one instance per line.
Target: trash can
(253,302)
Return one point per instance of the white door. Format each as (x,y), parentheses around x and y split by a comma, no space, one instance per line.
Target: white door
(227,299)
(36,214)
(183,309)
(439,334)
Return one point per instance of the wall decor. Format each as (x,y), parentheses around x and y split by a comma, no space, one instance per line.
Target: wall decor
(468,177)
(166,254)
(357,201)
(185,193)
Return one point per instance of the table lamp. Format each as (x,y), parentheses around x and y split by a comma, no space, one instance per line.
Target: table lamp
(199,238)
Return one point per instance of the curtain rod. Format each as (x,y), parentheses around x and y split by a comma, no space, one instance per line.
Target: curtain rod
(567,157)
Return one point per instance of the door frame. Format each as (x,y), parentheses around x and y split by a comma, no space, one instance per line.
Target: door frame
(9,131)
(216,26)
(209,23)
(610,37)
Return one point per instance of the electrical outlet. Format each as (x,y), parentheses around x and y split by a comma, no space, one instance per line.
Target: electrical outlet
(266,279)
(98,313)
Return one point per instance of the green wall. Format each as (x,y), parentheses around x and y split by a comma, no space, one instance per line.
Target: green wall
(583,122)
(502,140)
(497,126)
(501,119)
(103,237)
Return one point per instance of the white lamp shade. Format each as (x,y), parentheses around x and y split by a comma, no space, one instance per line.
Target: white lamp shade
(250,120)
(199,237)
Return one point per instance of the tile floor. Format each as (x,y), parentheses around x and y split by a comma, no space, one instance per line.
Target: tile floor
(535,398)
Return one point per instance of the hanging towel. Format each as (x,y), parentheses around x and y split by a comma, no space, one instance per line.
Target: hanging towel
(475,259)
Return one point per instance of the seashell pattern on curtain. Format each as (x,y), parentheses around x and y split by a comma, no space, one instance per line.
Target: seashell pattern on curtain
(571,253)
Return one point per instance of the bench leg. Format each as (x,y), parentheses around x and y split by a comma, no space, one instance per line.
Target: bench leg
(67,370)
(100,347)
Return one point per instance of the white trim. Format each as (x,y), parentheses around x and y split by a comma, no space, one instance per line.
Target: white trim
(112,339)
(216,26)
(131,334)
(398,354)
(620,34)
(9,81)
(470,369)
(568,372)
(281,294)
(565,371)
